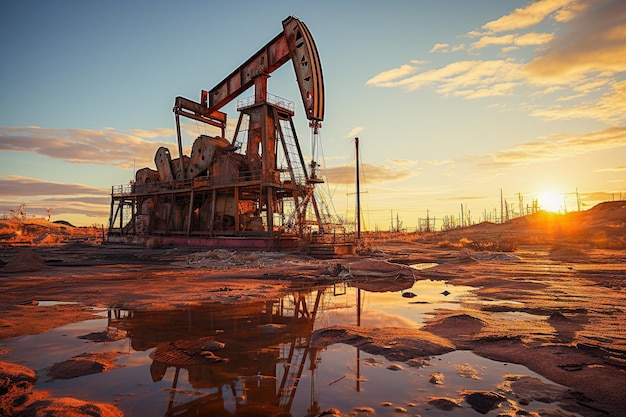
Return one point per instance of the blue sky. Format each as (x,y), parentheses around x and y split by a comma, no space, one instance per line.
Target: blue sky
(452,100)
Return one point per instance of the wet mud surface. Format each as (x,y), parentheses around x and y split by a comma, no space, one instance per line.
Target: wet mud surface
(560,312)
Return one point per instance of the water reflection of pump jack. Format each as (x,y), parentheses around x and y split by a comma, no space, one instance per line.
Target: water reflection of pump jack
(266,346)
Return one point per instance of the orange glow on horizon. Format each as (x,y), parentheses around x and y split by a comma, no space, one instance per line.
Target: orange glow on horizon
(551,201)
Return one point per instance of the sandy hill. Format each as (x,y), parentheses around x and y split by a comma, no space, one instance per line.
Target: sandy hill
(31,232)
(602,226)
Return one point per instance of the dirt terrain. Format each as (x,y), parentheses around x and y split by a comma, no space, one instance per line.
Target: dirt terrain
(569,271)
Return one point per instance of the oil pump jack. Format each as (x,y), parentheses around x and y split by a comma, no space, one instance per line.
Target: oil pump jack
(252,191)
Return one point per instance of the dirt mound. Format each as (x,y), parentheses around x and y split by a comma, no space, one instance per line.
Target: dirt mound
(70,407)
(63,222)
(39,232)
(16,382)
(18,398)
(603,226)
(84,364)
(567,254)
(25,260)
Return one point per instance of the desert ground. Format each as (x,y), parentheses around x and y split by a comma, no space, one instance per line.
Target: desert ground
(569,268)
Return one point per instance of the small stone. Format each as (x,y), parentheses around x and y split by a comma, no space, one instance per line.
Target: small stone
(213,345)
(419,363)
(395,367)
(364,410)
(558,316)
(400,410)
(330,412)
(436,378)
(386,404)
(409,294)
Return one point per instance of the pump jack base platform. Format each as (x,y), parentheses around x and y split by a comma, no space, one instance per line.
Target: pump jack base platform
(289,243)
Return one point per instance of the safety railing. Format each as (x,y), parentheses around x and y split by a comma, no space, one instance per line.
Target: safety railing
(241,179)
(277,101)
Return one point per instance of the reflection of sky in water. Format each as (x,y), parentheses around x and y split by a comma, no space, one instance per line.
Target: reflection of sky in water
(408,388)
(331,381)
(391,309)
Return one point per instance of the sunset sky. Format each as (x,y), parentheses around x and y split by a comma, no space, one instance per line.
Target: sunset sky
(453,101)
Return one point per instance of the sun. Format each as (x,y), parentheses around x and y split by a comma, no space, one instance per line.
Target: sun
(550,201)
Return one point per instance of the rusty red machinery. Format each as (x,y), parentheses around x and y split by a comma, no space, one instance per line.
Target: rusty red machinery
(252,191)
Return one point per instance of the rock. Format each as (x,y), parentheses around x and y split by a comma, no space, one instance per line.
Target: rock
(363,412)
(213,345)
(436,378)
(419,362)
(105,336)
(409,294)
(83,364)
(395,367)
(330,412)
(467,371)
(484,401)
(70,407)
(399,409)
(17,398)
(16,383)
(446,293)
(558,316)
(533,389)
(444,403)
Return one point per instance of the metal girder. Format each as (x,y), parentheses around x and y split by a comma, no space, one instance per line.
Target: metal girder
(295,43)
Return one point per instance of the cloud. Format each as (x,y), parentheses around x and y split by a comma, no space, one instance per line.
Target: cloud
(81,146)
(59,208)
(62,198)
(527,39)
(557,147)
(595,42)
(596,196)
(582,60)
(530,15)
(355,131)
(492,40)
(161,132)
(371,174)
(443,47)
(18,186)
(615,169)
(387,77)
(610,108)
(469,79)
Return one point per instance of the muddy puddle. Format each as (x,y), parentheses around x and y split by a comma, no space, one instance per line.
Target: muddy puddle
(255,358)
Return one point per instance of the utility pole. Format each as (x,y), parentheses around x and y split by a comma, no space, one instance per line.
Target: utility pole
(462,216)
(358,192)
(501,207)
